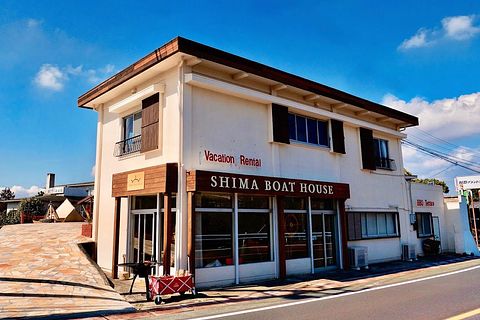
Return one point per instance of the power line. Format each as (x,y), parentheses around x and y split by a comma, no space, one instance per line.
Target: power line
(443,154)
(434,154)
(454,146)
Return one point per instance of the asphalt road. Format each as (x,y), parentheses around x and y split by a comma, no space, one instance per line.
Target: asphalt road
(437,298)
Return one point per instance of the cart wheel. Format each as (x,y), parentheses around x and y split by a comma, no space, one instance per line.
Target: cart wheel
(158,300)
(182,293)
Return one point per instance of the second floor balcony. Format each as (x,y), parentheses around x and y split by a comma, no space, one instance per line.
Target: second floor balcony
(128,146)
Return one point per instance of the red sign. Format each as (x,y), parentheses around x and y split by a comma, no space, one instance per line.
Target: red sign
(425,203)
(230,159)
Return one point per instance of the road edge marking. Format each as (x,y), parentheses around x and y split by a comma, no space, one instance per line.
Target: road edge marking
(285,305)
(465,315)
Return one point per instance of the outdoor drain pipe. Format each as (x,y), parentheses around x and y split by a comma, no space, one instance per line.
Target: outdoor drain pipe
(181,203)
(98,166)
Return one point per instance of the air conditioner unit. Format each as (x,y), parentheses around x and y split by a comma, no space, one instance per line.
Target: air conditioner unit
(358,257)
(408,252)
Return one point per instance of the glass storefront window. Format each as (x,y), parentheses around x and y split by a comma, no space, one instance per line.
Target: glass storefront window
(291,203)
(322,204)
(213,200)
(213,239)
(144,202)
(296,235)
(253,202)
(254,235)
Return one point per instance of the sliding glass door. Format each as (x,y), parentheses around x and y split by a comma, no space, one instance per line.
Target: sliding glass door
(324,239)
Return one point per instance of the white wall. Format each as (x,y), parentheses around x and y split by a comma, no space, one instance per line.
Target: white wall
(234,126)
(111,134)
(434,194)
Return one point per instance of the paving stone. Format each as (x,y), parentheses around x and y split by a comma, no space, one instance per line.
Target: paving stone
(42,265)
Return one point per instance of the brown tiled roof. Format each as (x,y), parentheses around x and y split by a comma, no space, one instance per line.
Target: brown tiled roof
(202,51)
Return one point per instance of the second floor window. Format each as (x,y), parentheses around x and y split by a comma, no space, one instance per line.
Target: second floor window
(308,130)
(132,125)
(382,158)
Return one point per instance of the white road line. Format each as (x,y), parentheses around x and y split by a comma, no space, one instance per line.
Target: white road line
(236,313)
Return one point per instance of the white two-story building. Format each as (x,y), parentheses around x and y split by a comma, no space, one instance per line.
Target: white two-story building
(238,172)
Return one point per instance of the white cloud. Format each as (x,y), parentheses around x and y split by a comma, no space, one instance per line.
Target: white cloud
(449,118)
(22,192)
(417,40)
(33,23)
(92,173)
(460,27)
(54,78)
(50,77)
(455,28)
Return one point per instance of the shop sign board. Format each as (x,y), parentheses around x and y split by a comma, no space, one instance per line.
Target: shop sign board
(136,181)
(150,180)
(425,203)
(227,182)
(467,183)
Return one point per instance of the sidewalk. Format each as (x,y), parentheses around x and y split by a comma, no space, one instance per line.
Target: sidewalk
(273,292)
(45,274)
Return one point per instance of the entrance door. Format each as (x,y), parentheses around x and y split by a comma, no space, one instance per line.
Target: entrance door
(324,239)
(144,236)
(145,229)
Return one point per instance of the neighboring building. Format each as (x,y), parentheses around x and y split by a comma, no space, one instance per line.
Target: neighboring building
(239,172)
(431,217)
(56,194)
(71,190)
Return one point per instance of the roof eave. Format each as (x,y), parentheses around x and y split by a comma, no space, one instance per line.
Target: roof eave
(202,51)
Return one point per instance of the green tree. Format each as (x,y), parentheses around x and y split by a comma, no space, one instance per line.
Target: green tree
(32,207)
(6,194)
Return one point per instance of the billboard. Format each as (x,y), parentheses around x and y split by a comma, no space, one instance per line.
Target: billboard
(467,183)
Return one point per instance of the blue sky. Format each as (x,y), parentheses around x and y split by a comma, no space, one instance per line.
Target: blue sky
(419,56)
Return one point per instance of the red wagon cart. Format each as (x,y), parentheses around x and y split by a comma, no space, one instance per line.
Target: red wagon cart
(162,285)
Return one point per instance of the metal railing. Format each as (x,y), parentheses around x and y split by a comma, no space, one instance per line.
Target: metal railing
(128,146)
(385,163)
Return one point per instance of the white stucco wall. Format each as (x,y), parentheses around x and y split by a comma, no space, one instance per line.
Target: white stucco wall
(112,133)
(223,123)
(234,126)
(434,195)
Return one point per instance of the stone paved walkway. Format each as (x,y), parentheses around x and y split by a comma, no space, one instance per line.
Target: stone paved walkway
(44,273)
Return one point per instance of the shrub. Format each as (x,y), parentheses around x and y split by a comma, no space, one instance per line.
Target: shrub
(12,217)
(32,207)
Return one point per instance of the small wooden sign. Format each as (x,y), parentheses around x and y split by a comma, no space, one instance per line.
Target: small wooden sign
(136,181)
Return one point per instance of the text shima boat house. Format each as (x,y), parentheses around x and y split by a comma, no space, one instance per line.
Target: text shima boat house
(241,172)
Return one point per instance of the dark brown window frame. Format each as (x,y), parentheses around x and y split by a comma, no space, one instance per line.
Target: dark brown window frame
(360,237)
(417,226)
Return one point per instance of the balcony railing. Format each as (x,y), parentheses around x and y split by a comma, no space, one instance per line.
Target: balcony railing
(128,146)
(385,163)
